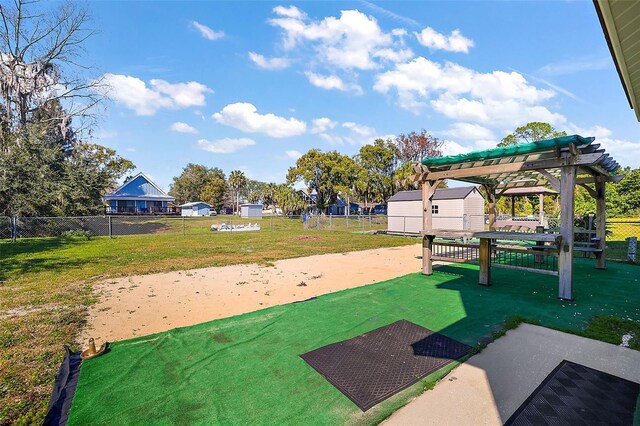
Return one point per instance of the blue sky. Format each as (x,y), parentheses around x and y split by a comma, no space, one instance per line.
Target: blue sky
(251,85)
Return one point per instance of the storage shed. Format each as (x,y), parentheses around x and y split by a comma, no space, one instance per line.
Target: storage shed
(453,208)
(196,208)
(251,211)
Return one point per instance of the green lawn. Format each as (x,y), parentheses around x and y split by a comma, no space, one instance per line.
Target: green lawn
(618,229)
(45,289)
(200,225)
(247,370)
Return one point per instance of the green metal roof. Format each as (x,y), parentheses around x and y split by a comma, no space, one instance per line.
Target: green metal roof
(509,151)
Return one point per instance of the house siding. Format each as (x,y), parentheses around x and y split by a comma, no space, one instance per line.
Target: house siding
(200,209)
(140,187)
(474,209)
(453,214)
(251,211)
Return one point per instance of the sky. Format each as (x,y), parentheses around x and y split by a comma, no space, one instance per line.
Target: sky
(253,85)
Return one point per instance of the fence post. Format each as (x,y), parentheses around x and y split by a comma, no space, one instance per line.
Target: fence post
(14,229)
(271,222)
(110,227)
(318,222)
(632,249)
(183,233)
(330,222)
(347,220)
(404,226)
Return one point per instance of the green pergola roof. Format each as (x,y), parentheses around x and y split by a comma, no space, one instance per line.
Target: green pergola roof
(513,150)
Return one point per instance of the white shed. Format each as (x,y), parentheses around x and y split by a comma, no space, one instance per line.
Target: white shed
(197,208)
(251,211)
(453,208)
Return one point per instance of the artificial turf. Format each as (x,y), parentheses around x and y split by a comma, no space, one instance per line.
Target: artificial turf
(247,369)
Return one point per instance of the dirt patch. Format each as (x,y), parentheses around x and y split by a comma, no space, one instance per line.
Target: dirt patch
(307,237)
(140,305)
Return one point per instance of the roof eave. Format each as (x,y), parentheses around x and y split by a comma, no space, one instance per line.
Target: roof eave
(607,22)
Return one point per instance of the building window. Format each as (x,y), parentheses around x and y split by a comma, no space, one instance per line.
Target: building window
(434,209)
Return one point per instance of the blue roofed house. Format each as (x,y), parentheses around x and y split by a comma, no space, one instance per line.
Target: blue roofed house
(338,208)
(139,195)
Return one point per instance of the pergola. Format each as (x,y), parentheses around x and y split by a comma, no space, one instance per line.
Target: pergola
(561,163)
(540,191)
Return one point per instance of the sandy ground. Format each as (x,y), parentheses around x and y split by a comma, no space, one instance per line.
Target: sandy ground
(490,386)
(145,304)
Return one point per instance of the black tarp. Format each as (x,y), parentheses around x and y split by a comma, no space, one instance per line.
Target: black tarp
(63,389)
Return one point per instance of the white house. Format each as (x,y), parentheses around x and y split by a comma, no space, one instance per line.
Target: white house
(196,208)
(453,208)
(251,211)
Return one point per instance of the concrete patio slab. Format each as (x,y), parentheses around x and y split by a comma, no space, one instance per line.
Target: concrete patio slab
(490,386)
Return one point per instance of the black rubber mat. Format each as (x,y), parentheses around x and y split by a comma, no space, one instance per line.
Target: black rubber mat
(374,366)
(577,395)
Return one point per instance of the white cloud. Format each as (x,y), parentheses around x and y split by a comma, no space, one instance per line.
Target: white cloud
(454,148)
(626,153)
(393,55)
(332,82)
(496,98)
(181,127)
(455,42)
(594,62)
(289,12)
(244,116)
(182,94)
(226,145)
(595,131)
(355,134)
(293,154)
(390,14)
(207,32)
(352,41)
(485,144)
(468,131)
(269,63)
(134,93)
(332,139)
(321,125)
(502,113)
(359,129)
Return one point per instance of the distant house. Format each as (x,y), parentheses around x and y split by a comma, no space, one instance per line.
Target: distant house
(452,208)
(251,211)
(337,209)
(139,195)
(196,208)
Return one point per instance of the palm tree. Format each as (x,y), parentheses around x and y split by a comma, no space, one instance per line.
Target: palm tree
(269,195)
(237,181)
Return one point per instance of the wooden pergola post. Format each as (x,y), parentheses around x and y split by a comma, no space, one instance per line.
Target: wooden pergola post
(541,208)
(428,190)
(491,200)
(513,207)
(601,223)
(565,256)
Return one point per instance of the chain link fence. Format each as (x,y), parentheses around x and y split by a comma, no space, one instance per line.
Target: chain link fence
(622,238)
(111,226)
(622,234)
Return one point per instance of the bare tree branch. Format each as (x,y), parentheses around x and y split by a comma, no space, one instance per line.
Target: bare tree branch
(38,53)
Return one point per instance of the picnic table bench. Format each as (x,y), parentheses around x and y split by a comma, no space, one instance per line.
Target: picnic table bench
(490,240)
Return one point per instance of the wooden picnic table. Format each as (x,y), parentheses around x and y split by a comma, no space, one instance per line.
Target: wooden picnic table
(486,240)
